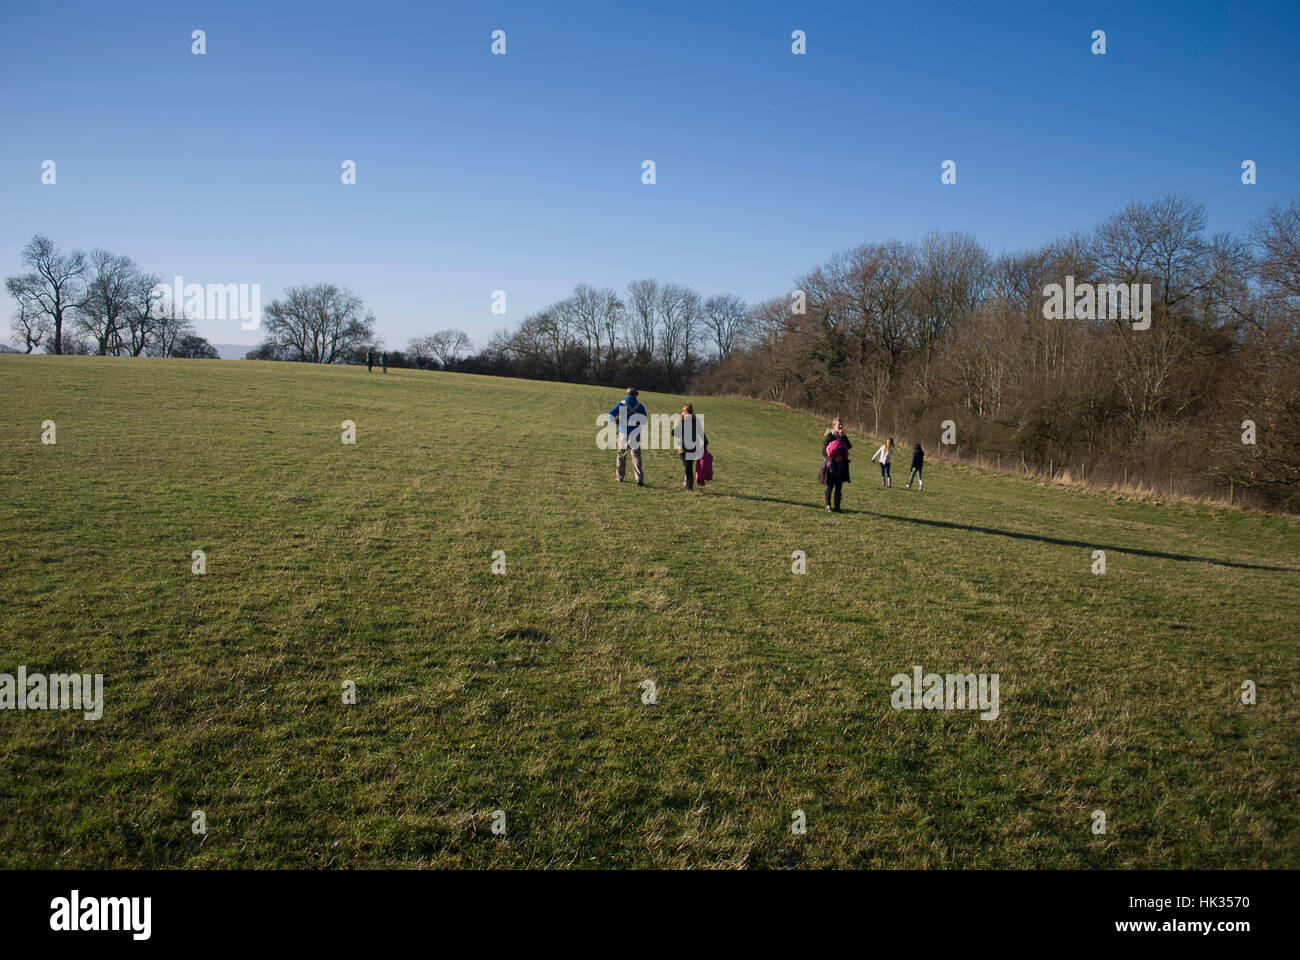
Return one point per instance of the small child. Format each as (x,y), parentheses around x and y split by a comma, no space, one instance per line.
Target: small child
(883,456)
(918,461)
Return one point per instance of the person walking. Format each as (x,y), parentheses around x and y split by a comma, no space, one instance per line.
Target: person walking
(690,441)
(383,361)
(630,417)
(370,362)
(918,461)
(882,455)
(835,463)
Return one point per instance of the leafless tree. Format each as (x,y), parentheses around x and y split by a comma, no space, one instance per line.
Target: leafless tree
(724,318)
(448,346)
(420,349)
(679,310)
(141,314)
(612,315)
(583,312)
(29,324)
(110,288)
(1160,243)
(318,324)
(1276,236)
(170,327)
(643,306)
(952,275)
(53,286)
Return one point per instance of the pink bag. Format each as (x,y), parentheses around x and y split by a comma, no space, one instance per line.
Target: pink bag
(836,448)
(704,468)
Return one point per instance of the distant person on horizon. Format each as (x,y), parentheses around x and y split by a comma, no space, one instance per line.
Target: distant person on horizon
(690,441)
(835,463)
(882,455)
(383,361)
(918,461)
(630,417)
(370,362)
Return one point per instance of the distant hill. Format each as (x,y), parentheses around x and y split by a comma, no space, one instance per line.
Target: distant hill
(233,351)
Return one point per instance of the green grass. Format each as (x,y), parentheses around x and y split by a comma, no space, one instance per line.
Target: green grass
(372,563)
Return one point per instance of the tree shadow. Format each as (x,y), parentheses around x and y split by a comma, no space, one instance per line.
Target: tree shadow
(994,531)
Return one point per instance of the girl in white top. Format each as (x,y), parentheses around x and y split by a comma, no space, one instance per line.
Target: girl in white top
(883,456)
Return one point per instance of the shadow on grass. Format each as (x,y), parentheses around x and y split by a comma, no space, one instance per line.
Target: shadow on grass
(946,524)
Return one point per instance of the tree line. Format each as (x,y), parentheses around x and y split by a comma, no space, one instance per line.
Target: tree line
(656,335)
(324,323)
(909,338)
(99,302)
(73,302)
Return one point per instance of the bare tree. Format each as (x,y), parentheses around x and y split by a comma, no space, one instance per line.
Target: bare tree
(448,346)
(555,329)
(952,275)
(317,324)
(1276,236)
(142,311)
(29,324)
(772,360)
(102,312)
(1158,243)
(170,326)
(53,286)
(724,317)
(679,309)
(420,349)
(584,310)
(612,317)
(643,307)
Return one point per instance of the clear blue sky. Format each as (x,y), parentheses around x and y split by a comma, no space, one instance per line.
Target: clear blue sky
(523,172)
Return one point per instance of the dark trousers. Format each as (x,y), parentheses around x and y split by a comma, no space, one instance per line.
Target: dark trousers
(690,473)
(837,487)
(916,475)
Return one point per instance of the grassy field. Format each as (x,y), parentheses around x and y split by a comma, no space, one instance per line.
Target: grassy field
(522,692)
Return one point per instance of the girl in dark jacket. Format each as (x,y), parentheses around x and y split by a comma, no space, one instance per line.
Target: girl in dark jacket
(918,462)
(835,469)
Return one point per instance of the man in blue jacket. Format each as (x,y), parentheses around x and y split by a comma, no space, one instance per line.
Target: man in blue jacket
(630,417)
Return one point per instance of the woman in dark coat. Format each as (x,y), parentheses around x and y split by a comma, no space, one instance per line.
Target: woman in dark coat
(835,470)
(689,438)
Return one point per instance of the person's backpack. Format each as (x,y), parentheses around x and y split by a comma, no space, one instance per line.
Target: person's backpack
(836,448)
